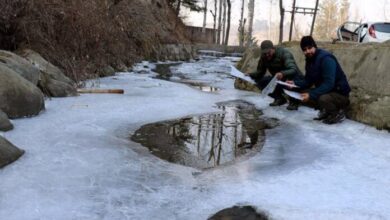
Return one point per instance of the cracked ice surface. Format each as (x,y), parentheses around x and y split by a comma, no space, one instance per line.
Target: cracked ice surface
(80,163)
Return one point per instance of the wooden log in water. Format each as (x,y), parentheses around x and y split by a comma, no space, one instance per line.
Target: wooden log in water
(116,91)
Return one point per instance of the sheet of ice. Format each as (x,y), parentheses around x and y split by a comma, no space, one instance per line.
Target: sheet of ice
(293,94)
(236,73)
(80,163)
(286,84)
(270,87)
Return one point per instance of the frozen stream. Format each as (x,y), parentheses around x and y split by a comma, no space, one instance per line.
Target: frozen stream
(81,164)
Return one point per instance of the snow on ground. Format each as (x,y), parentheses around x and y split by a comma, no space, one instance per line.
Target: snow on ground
(80,163)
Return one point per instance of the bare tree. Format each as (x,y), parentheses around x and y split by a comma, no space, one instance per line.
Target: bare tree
(191,4)
(326,26)
(204,17)
(251,9)
(229,12)
(241,26)
(178,7)
(214,14)
(269,19)
(224,22)
(219,22)
(281,21)
(344,11)
(298,31)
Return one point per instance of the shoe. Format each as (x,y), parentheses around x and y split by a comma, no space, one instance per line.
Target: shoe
(292,106)
(334,118)
(272,95)
(277,102)
(321,115)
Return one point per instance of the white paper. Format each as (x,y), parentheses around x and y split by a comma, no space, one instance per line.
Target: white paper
(293,94)
(236,73)
(287,84)
(270,87)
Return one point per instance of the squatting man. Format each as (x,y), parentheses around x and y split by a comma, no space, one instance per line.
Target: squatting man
(324,84)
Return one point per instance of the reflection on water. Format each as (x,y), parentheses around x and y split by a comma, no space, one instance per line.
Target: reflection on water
(200,86)
(165,73)
(210,140)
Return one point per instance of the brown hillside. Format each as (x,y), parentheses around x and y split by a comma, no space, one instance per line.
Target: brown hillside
(84,36)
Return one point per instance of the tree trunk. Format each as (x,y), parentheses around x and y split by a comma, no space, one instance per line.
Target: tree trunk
(241,29)
(224,22)
(251,9)
(215,22)
(178,7)
(281,21)
(269,20)
(204,17)
(228,22)
(219,22)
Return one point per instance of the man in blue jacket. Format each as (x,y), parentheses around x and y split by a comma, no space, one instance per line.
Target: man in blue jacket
(331,88)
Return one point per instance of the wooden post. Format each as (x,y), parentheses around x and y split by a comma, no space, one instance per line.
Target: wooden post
(93,90)
(314,18)
(292,20)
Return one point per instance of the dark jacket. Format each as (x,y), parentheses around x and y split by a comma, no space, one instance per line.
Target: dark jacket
(325,73)
(283,61)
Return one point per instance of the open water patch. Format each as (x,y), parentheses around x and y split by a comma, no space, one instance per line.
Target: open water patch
(209,140)
(164,72)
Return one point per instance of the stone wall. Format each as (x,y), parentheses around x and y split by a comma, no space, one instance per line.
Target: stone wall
(176,52)
(220,48)
(196,35)
(367,68)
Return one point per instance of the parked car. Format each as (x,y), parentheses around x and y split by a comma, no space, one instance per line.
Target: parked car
(364,32)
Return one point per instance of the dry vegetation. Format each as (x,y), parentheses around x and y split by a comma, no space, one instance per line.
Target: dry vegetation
(84,36)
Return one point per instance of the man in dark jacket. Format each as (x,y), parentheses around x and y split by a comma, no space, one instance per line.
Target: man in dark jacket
(331,88)
(280,63)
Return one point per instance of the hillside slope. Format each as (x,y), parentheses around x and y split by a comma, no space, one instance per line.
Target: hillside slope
(84,36)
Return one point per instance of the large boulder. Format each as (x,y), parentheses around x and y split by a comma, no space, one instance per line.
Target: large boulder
(56,88)
(8,152)
(107,71)
(18,97)
(20,66)
(53,81)
(366,67)
(5,124)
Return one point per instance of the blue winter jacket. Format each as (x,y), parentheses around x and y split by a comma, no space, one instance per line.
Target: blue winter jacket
(325,73)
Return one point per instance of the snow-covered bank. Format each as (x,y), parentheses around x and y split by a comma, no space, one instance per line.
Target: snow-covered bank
(80,163)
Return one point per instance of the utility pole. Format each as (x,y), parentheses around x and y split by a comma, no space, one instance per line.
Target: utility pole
(314,18)
(292,20)
(304,11)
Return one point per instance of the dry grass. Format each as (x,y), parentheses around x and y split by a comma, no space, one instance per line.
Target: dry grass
(83,36)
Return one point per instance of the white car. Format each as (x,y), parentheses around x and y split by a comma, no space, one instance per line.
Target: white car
(364,32)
